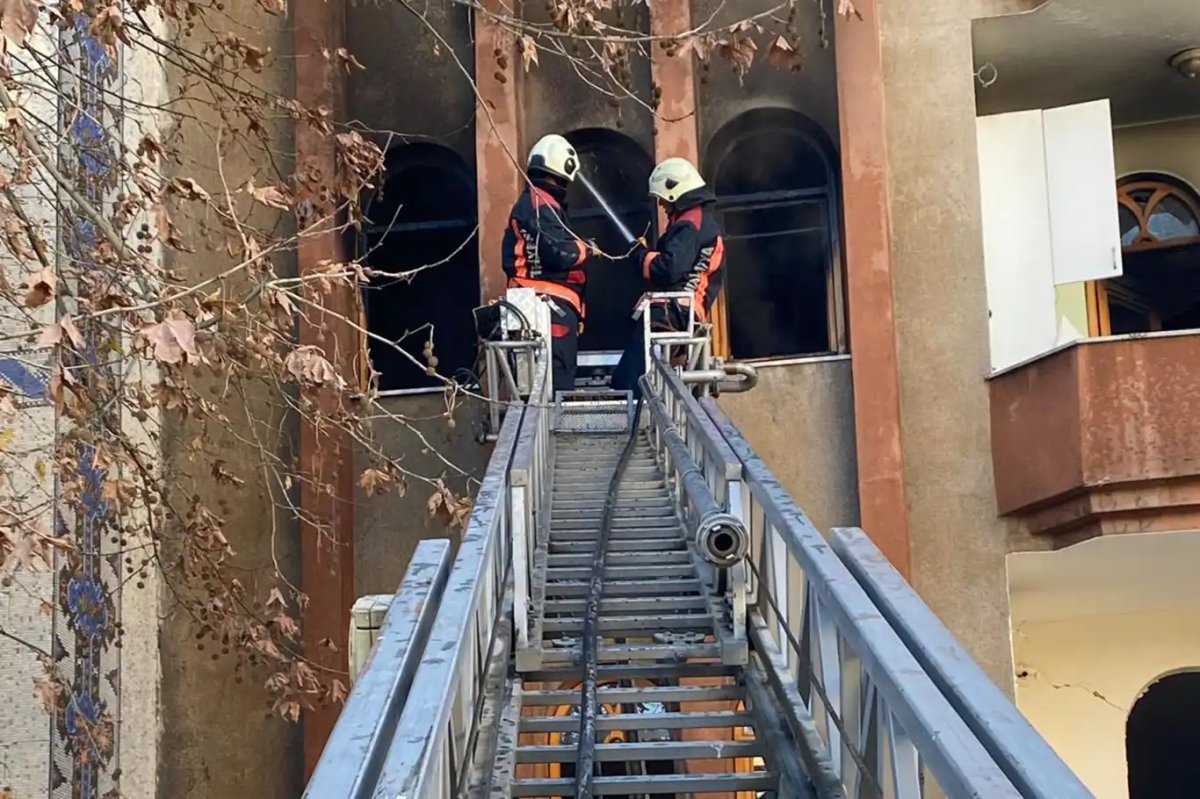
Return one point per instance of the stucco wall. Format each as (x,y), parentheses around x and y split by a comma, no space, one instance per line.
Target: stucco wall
(387,527)
(219,737)
(957,543)
(1080,677)
(800,420)
(1170,147)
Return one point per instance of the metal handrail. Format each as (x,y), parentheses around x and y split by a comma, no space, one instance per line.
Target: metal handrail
(718,464)
(430,755)
(1032,765)
(529,487)
(350,763)
(837,665)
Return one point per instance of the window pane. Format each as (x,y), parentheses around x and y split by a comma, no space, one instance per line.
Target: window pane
(1130,229)
(1172,219)
(777,295)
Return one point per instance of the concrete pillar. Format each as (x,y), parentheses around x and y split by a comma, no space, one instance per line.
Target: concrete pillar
(868,244)
(326,454)
(958,543)
(499,155)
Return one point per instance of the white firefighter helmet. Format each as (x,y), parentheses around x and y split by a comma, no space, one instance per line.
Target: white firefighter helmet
(555,155)
(674,178)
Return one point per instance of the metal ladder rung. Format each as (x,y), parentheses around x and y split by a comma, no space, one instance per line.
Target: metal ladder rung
(625,652)
(670,784)
(654,546)
(632,624)
(617,558)
(624,671)
(659,484)
(714,720)
(657,534)
(612,696)
(625,520)
(623,572)
(645,751)
(626,588)
(630,604)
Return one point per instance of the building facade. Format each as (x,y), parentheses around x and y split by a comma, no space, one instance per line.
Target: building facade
(963,248)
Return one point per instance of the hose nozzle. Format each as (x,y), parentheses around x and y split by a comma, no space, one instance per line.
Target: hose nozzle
(722,539)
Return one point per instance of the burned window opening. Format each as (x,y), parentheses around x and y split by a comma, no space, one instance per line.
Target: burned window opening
(773,175)
(420,237)
(1162,736)
(619,169)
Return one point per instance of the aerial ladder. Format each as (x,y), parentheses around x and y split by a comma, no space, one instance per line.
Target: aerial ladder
(638,608)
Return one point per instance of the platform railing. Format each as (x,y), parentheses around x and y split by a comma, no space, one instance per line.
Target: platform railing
(466,656)
(674,411)
(529,486)
(353,756)
(867,718)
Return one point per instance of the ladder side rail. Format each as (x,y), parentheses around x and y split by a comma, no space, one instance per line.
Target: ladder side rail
(1029,761)
(350,762)
(719,465)
(879,715)
(428,756)
(527,481)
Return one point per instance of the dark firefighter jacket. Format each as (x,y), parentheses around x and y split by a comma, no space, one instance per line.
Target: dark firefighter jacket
(690,252)
(539,252)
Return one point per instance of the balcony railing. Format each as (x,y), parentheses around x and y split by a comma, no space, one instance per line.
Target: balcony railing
(1101,437)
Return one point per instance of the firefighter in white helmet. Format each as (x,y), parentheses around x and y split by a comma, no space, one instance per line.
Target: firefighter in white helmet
(689,257)
(541,252)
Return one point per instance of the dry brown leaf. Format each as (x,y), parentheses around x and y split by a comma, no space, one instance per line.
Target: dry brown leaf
(271,196)
(375,481)
(309,367)
(17,19)
(528,48)
(255,57)
(51,336)
(73,334)
(739,51)
(190,189)
(173,339)
(41,286)
(275,7)
(784,55)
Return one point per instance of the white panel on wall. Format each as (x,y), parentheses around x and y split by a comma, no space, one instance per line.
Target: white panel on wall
(1081,180)
(1017,252)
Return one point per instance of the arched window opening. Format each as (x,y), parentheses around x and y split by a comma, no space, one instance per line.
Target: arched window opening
(772,171)
(619,169)
(1160,238)
(1156,210)
(420,238)
(1162,736)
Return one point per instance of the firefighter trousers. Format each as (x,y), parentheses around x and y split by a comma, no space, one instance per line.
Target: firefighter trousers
(564,348)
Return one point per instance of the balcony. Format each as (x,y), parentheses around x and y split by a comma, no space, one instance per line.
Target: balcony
(1101,437)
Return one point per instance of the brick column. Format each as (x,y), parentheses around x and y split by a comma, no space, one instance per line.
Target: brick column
(498,148)
(869,282)
(327,542)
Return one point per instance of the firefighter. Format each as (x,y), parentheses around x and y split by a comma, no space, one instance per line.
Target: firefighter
(541,253)
(688,258)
